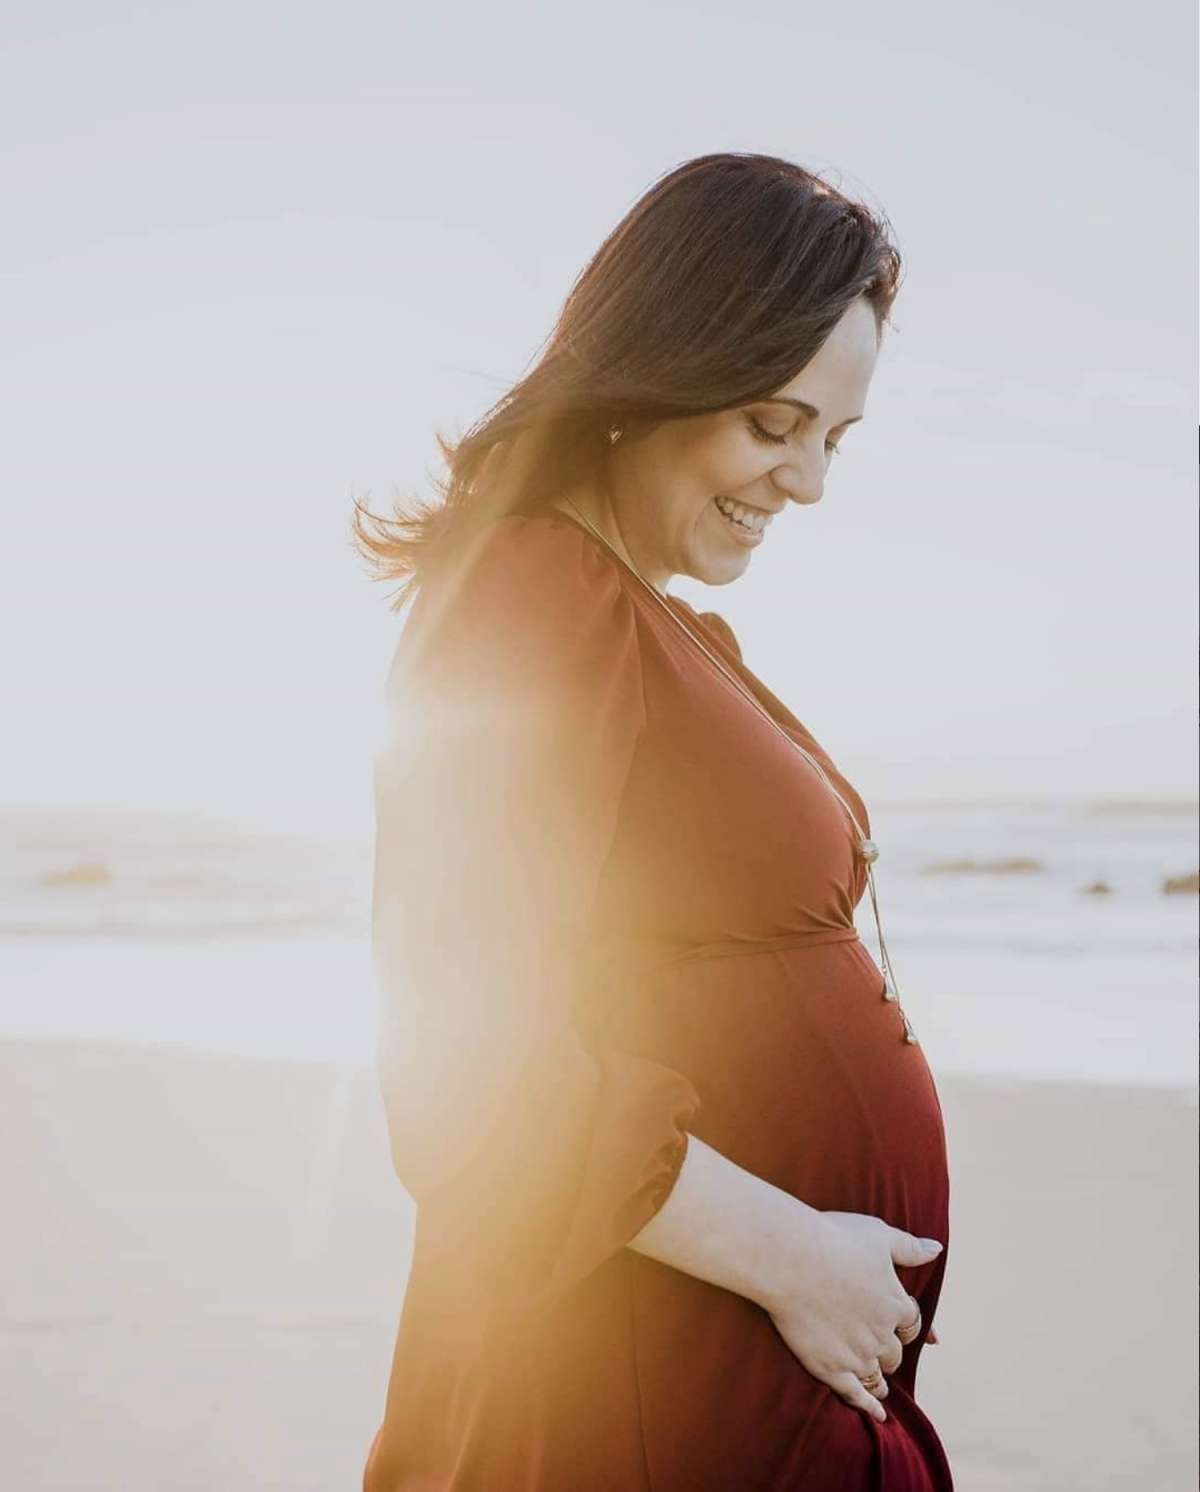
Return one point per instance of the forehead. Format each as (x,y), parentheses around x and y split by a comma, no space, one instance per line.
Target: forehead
(842,366)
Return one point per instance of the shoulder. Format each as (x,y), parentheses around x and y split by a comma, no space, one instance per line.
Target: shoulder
(534,601)
(537,564)
(717,625)
(715,622)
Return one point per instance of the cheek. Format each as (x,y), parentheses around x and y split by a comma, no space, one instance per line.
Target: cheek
(729,464)
(695,463)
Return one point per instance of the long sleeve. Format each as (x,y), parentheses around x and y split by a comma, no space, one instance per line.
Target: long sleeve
(513,724)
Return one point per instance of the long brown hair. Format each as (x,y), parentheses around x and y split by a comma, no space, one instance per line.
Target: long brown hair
(715,289)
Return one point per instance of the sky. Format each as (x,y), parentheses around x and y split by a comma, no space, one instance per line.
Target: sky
(256,255)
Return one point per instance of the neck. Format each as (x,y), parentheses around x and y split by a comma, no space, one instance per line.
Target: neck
(599,514)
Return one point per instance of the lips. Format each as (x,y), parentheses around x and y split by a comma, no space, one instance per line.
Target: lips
(748,535)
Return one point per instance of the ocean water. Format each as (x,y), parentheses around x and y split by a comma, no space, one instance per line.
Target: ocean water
(1024,973)
(180,929)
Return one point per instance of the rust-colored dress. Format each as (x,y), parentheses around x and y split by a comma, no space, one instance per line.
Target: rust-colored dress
(613,907)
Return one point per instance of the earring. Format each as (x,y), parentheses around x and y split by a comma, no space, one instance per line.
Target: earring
(614,434)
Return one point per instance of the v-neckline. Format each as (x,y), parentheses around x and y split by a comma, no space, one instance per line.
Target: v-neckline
(773,705)
(770,702)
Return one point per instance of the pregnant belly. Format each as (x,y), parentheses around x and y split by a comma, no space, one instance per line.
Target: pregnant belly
(804,1075)
(805,1079)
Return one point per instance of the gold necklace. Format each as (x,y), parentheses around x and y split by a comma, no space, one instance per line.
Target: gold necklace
(866,849)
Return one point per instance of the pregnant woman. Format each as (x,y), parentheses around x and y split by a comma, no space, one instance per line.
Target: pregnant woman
(677,1155)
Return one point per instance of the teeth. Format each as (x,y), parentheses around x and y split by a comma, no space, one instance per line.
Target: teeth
(749,518)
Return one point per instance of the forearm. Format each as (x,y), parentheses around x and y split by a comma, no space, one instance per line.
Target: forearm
(728,1226)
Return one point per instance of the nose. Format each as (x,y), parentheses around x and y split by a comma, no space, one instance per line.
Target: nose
(799,486)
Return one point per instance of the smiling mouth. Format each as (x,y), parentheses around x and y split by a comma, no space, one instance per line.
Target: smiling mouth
(744,517)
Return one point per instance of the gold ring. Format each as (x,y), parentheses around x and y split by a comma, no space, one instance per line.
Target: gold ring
(912,1331)
(872,1381)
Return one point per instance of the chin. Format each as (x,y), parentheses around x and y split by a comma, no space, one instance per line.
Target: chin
(720,559)
(721,571)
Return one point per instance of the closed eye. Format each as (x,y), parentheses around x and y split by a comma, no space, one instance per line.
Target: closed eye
(760,432)
(764,434)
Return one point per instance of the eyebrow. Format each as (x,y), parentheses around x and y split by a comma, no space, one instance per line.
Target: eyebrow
(809,409)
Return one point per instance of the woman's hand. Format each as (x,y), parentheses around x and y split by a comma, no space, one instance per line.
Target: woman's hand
(827,1279)
(841,1301)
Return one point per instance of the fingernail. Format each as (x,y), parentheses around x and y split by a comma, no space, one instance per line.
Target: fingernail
(932,1245)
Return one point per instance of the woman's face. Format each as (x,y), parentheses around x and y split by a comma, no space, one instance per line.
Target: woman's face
(668,487)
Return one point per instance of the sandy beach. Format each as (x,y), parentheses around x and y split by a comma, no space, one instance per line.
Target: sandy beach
(205,1259)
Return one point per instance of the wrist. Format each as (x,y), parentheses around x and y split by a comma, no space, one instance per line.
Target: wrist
(797,1242)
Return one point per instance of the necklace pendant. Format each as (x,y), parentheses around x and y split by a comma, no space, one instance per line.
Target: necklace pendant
(910,1036)
(868,851)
